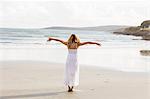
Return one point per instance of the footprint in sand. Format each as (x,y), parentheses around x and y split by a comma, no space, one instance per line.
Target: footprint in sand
(92,89)
(106,81)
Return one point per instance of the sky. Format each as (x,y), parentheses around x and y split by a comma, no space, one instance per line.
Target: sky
(72,13)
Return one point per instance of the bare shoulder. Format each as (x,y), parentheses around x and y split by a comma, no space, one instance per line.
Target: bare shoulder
(80,43)
(65,42)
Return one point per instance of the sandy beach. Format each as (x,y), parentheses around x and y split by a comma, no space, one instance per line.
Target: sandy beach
(104,43)
(44,80)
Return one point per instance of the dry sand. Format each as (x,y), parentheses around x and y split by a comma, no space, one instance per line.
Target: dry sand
(43,80)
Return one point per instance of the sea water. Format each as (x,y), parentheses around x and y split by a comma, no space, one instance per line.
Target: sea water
(117,52)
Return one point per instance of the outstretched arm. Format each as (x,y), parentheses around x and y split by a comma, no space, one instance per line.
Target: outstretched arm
(63,42)
(84,43)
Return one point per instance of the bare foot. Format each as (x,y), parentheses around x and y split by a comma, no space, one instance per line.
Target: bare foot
(72,89)
(69,89)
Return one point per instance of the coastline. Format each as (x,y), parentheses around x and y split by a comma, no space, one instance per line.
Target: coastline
(134,31)
(34,79)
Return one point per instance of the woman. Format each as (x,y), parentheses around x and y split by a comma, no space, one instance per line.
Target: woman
(72,68)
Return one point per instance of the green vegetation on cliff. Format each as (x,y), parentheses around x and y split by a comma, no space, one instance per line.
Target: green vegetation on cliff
(142,30)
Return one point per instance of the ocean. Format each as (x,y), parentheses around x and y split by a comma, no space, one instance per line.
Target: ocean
(118,52)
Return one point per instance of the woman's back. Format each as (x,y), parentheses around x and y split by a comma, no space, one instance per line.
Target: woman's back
(72,45)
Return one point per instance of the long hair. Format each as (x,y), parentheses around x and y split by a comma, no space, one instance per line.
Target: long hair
(73,39)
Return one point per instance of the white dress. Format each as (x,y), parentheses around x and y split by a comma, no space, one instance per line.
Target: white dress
(72,68)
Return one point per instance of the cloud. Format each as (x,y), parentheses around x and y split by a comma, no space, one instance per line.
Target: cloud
(75,13)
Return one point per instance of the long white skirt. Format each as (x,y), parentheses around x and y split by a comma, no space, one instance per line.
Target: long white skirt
(72,68)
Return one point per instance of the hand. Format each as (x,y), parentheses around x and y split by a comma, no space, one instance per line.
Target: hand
(49,39)
(98,44)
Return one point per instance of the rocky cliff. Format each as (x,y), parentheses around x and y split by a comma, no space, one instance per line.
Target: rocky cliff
(143,30)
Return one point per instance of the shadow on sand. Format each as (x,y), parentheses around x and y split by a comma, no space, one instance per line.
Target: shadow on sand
(31,95)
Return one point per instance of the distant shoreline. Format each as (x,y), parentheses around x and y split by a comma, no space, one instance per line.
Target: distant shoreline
(115,29)
(109,28)
(92,28)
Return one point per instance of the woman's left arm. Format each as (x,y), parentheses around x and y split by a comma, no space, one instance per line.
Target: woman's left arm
(84,43)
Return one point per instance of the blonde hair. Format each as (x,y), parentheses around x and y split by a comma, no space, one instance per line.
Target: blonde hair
(73,36)
(73,39)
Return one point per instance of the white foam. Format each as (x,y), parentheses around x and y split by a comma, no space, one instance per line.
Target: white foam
(124,59)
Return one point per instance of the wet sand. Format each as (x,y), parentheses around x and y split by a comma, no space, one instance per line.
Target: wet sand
(44,80)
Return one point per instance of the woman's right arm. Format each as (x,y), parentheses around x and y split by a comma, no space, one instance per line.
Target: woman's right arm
(55,39)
